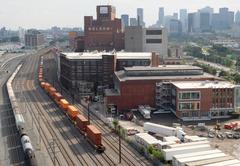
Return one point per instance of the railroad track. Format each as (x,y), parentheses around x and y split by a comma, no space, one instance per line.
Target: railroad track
(51,113)
(129,155)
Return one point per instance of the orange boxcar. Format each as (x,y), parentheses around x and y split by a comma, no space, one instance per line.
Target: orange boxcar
(43,84)
(52,90)
(94,135)
(63,104)
(82,122)
(57,97)
(47,86)
(72,112)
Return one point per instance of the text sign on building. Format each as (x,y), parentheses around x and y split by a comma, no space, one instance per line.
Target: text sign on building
(103,10)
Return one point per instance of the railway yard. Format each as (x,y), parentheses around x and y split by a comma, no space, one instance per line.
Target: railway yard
(55,139)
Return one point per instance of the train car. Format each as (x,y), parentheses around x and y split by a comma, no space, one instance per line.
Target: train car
(57,97)
(72,112)
(63,104)
(47,86)
(81,123)
(51,91)
(43,84)
(20,122)
(28,150)
(94,136)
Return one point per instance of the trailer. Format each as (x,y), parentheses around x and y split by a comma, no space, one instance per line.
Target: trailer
(172,139)
(145,112)
(187,155)
(188,144)
(183,161)
(164,130)
(225,163)
(194,138)
(169,153)
(146,139)
(210,161)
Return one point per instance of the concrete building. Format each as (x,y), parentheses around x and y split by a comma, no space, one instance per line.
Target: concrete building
(140,17)
(135,86)
(34,39)
(133,22)
(125,20)
(222,20)
(194,22)
(139,39)
(104,33)
(184,19)
(89,72)
(205,22)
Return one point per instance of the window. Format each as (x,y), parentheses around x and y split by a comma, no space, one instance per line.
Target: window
(153,32)
(189,96)
(189,106)
(153,41)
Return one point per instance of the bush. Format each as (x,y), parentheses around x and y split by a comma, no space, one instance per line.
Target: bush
(150,149)
(157,154)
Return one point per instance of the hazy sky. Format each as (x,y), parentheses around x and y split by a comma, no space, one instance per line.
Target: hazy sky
(70,13)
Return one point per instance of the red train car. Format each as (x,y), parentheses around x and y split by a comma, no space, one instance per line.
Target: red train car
(81,123)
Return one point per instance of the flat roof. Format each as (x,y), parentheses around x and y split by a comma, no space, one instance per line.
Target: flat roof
(202,84)
(98,55)
(121,75)
(162,67)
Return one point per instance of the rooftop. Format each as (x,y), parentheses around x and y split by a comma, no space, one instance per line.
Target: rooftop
(162,67)
(98,55)
(203,84)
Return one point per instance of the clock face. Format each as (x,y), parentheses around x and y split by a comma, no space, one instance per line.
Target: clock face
(103,10)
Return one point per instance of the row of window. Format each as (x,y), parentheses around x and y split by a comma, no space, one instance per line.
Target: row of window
(189,96)
(189,106)
(153,32)
(99,28)
(153,41)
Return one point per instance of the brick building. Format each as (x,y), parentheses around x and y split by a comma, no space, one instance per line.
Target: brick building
(34,39)
(87,72)
(104,33)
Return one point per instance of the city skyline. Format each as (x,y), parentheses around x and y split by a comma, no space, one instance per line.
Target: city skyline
(45,14)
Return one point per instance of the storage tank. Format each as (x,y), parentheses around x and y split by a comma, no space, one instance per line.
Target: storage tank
(72,112)
(81,123)
(169,153)
(187,155)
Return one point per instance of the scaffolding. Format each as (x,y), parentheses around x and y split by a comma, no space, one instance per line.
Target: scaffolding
(163,95)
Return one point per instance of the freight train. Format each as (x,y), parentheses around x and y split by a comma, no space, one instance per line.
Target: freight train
(20,123)
(90,132)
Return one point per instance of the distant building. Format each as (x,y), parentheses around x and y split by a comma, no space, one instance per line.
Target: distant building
(71,37)
(21,34)
(175,16)
(139,39)
(237,17)
(140,17)
(34,39)
(160,16)
(223,20)
(205,22)
(175,26)
(133,22)
(125,20)
(104,33)
(184,19)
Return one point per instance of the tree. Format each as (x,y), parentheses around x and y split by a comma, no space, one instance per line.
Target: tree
(115,124)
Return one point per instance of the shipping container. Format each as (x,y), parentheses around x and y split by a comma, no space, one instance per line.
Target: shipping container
(63,104)
(94,136)
(47,86)
(81,123)
(57,97)
(209,161)
(169,153)
(225,163)
(183,161)
(188,155)
(188,144)
(164,130)
(51,91)
(72,112)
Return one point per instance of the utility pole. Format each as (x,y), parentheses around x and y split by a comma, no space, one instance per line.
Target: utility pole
(120,146)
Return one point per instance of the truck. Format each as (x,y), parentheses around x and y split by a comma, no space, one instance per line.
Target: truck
(164,130)
(183,161)
(169,153)
(145,112)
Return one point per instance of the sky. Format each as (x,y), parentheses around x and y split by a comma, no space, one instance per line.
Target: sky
(44,14)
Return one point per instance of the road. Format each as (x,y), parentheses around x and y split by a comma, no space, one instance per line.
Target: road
(11,152)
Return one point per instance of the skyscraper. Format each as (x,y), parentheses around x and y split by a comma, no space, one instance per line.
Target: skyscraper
(140,17)
(133,22)
(175,16)
(184,19)
(161,16)
(237,17)
(125,20)
(205,22)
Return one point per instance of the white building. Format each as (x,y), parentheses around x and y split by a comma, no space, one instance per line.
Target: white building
(138,39)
